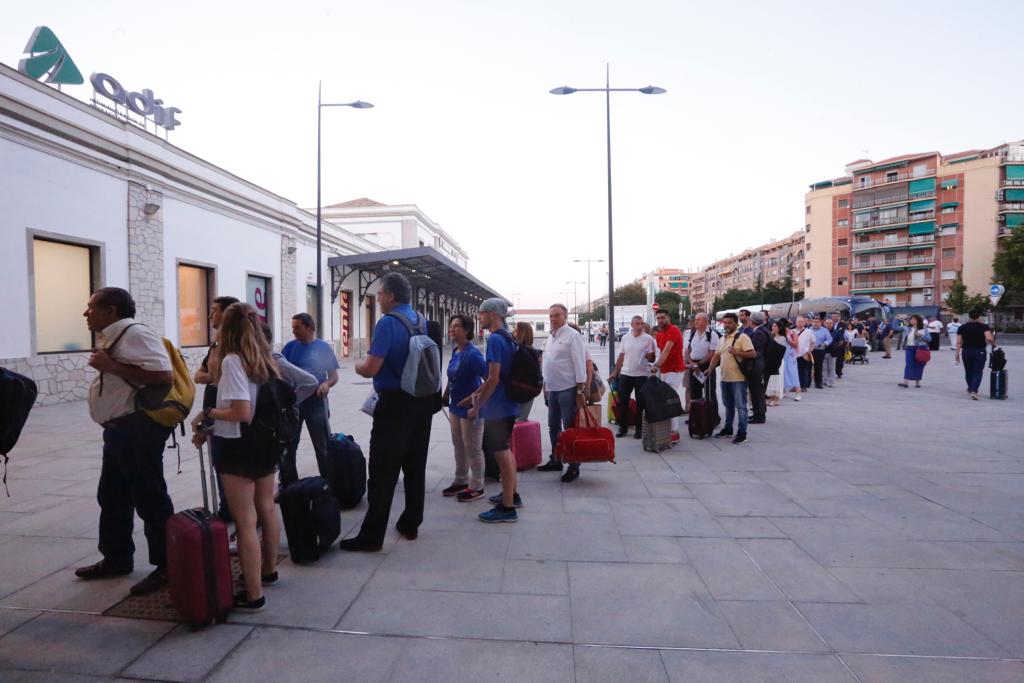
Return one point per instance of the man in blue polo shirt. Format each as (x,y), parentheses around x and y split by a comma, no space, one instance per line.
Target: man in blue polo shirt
(401,422)
(316,357)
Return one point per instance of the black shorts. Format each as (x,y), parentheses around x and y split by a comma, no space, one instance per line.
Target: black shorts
(232,457)
(498,433)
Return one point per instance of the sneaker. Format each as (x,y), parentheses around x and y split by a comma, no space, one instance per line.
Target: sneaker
(153,582)
(469,495)
(740,437)
(974,397)
(638,435)
(516,500)
(551,465)
(571,474)
(265,579)
(724,432)
(454,489)
(498,514)
(102,570)
(756,421)
(675,437)
(621,433)
(244,604)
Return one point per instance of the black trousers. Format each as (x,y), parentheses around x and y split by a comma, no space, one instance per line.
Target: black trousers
(756,386)
(819,366)
(132,480)
(398,443)
(697,388)
(840,362)
(803,368)
(627,386)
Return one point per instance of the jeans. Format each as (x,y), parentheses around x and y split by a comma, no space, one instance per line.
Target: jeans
(132,480)
(627,385)
(829,373)
(467,438)
(840,362)
(819,366)
(974,367)
(734,396)
(803,368)
(561,413)
(398,443)
(315,413)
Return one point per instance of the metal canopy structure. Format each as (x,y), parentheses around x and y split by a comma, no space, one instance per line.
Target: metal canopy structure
(438,283)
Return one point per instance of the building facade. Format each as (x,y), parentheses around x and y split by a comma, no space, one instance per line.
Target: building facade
(771,262)
(902,229)
(668,280)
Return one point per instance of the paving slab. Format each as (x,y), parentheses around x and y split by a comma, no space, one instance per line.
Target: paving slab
(762,625)
(614,665)
(470,661)
(535,577)
(746,500)
(798,575)
(754,667)
(11,619)
(186,655)
(933,670)
(728,571)
(548,536)
(462,560)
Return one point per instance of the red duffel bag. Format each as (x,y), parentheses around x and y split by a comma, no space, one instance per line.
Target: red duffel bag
(585,441)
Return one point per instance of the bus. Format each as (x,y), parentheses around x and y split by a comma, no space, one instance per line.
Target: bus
(848,307)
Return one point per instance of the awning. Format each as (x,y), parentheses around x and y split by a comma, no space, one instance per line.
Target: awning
(950,182)
(923,205)
(1015,172)
(922,228)
(949,205)
(426,268)
(1014,219)
(1014,195)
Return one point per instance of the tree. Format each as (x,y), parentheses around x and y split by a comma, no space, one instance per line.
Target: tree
(1008,267)
(736,298)
(632,294)
(598,314)
(959,301)
(669,302)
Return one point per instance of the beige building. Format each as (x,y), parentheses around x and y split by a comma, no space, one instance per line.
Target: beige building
(766,263)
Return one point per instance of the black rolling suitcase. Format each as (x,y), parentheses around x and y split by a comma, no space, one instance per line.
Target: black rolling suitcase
(346,470)
(312,519)
(997,384)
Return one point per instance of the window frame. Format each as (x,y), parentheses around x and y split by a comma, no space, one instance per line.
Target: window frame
(211,294)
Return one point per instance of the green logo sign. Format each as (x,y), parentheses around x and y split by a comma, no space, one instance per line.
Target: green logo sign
(49,58)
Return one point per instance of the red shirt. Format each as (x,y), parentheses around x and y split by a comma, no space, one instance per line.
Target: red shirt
(674,361)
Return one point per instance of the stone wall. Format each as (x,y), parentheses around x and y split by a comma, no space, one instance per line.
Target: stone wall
(146,255)
(287,280)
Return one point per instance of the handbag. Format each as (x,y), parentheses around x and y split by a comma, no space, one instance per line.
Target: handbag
(922,354)
(596,389)
(585,441)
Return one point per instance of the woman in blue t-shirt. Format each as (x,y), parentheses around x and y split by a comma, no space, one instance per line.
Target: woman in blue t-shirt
(466,372)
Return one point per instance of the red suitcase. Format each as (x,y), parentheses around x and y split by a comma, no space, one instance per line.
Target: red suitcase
(198,562)
(526,444)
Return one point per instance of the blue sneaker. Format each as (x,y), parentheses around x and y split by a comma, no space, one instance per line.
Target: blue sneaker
(497,498)
(499,513)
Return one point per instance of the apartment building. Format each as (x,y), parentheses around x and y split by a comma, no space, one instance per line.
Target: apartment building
(902,228)
(668,280)
(766,263)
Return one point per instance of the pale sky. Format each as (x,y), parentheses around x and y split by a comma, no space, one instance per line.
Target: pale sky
(763,99)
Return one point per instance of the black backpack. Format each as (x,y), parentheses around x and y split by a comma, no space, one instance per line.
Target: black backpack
(524,378)
(275,423)
(17,396)
(996,361)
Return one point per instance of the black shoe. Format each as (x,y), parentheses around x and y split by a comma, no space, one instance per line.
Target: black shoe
(153,582)
(638,435)
(244,604)
(358,545)
(265,579)
(453,490)
(102,570)
(407,535)
(740,437)
(726,431)
(551,465)
(756,421)
(571,474)
(621,433)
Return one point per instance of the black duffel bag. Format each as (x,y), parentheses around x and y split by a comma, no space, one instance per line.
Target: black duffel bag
(661,402)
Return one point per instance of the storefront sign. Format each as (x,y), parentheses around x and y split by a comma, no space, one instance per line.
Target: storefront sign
(142,103)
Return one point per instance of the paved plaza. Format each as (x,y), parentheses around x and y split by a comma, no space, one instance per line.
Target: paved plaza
(867,533)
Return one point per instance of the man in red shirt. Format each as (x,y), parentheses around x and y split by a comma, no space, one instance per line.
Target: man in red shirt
(670,360)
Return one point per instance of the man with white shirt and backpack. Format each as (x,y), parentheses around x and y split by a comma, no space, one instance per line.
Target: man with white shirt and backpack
(632,368)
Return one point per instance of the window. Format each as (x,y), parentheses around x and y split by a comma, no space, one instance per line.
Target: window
(948,229)
(63,279)
(257,294)
(949,209)
(311,303)
(843,222)
(949,275)
(841,281)
(842,262)
(807,210)
(949,253)
(891,176)
(807,247)
(843,203)
(193,305)
(807,228)
(842,242)
(540,327)
(807,282)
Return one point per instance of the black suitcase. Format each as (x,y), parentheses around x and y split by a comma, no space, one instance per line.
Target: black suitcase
(312,519)
(346,470)
(661,401)
(997,385)
(703,414)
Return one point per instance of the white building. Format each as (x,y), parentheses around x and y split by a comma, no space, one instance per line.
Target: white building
(88,200)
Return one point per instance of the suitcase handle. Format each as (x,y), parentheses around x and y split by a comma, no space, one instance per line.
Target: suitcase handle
(209,491)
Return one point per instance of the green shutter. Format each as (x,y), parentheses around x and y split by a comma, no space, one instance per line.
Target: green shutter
(1015,172)
(950,182)
(923,205)
(923,185)
(922,228)
(947,205)
(1014,219)
(1014,195)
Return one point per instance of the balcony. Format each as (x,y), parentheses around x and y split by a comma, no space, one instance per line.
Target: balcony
(901,198)
(865,182)
(879,223)
(913,263)
(1012,182)
(888,286)
(1011,206)
(915,242)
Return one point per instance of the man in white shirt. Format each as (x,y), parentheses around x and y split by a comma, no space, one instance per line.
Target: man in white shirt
(699,344)
(951,330)
(804,353)
(564,365)
(935,330)
(632,368)
(130,355)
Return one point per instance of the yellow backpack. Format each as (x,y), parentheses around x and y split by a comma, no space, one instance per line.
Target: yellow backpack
(167,405)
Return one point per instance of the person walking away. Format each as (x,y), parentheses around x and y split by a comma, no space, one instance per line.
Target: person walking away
(872,329)
(632,368)
(828,374)
(670,360)
(760,336)
(971,340)
(130,355)
(733,348)
(804,352)
(915,336)
(700,344)
(564,366)
(839,343)
(604,335)
(467,370)
(524,337)
(491,402)
(246,467)
(791,379)
(951,331)
(774,359)
(400,436)
(316,357)
(935,330)
(822,342)
(203,375)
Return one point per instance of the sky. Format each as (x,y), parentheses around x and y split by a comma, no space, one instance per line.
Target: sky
(763,99)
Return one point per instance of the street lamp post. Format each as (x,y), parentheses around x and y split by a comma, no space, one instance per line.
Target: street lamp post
(608,90)
(575,301)
(588,261)
(320,104)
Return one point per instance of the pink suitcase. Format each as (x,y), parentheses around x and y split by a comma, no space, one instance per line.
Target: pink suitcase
(526,444)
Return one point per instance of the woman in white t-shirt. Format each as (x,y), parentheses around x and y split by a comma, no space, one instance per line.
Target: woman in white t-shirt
(247,472)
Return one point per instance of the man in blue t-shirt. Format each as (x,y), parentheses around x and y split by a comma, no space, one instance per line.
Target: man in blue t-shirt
(491,402)
(316,357)
(400,435)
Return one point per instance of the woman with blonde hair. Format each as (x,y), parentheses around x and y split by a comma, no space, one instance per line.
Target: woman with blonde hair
(246,468)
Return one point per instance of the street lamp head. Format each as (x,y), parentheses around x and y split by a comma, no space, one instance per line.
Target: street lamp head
(563,90)
(652,90)
(359,104)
